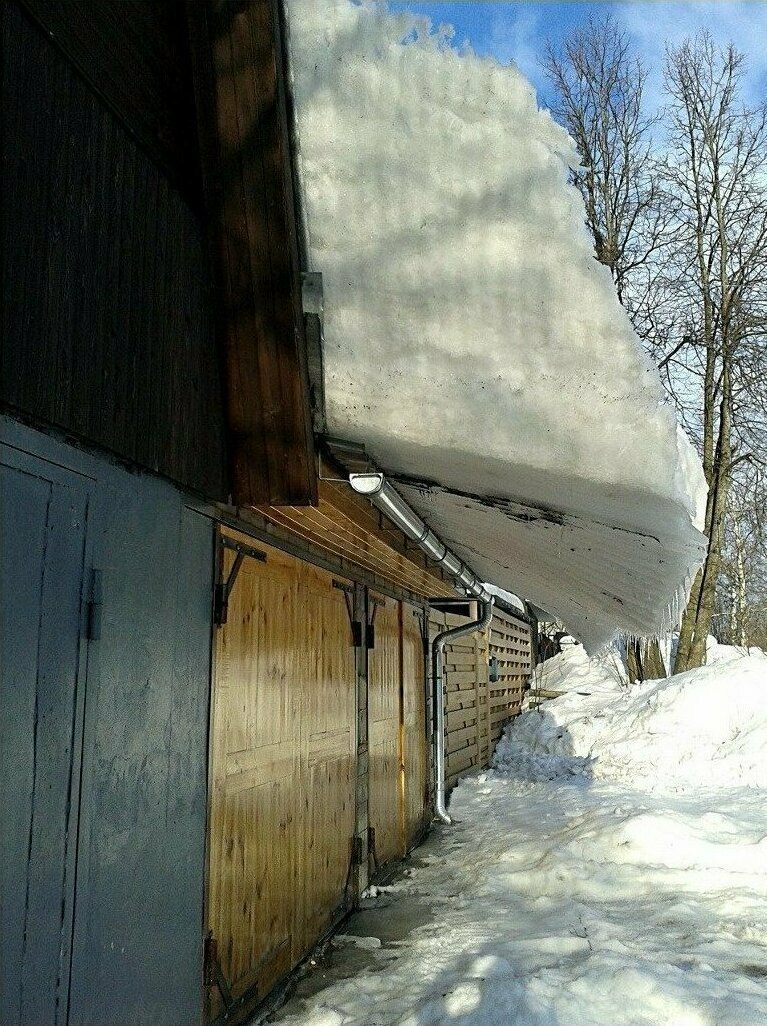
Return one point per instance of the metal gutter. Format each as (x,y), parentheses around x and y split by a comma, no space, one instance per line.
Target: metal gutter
(376,488)
(385,498)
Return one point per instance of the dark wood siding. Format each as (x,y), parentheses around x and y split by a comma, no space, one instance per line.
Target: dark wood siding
(134,54)
(238,70)
(107,326)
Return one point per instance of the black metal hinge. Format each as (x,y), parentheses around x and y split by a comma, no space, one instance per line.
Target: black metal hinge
(357,851)
(356,626)
(224,588)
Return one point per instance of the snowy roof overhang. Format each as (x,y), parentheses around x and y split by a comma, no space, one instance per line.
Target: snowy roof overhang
(471,342)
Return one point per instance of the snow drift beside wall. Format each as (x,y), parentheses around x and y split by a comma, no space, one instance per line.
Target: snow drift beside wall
(472,343)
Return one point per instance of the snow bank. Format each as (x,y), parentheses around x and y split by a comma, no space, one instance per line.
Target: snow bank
(631,894)
(707,727)
(472,343)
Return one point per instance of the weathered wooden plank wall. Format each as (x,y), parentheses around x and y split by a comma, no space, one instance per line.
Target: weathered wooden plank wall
(347,527)
(107,325)
(245,143)
(134,55)
(415,735)
(384,741)
(282,777)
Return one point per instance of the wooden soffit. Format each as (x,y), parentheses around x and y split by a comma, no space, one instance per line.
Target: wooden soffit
(237,60)
(345,526)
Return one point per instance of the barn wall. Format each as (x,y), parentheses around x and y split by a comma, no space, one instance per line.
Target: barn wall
(384,739)
(318,732)
(134,55)
(416,733)
(107,723)
(107,324)
(398,734)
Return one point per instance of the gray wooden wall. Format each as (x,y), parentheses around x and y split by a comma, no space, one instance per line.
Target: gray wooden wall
(104,740)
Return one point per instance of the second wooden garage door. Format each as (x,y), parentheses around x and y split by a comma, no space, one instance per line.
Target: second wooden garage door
(398,768)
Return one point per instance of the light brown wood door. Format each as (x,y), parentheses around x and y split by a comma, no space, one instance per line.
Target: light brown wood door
(384,731)
(282,753)
(415,742)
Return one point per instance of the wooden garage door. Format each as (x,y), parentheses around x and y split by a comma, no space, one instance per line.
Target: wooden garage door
(282,770)
(384,718)
(414,735)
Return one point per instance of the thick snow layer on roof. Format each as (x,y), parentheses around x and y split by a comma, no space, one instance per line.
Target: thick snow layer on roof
(472,343)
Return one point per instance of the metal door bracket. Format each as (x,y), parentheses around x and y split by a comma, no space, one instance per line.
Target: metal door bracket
(356,626)
(224,588)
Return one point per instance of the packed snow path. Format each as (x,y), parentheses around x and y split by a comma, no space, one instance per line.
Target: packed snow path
(580,899)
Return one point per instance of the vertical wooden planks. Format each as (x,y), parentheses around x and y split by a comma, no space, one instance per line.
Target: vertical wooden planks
(328,781)
(283,745)
(255,747)
(106,321)
(384,677)
(414,736)
(248,183)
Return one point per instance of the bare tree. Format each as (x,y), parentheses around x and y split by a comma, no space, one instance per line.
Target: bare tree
(742,599)
(684,235)
(715,252)
(599,86)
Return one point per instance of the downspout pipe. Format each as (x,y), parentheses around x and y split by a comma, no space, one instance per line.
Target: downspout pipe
(385,498)
(438,700)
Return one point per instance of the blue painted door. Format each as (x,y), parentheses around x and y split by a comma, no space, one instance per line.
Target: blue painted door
(44,519)
(138,924)
(104,741)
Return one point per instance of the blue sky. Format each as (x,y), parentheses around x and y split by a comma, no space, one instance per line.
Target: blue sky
(516,31)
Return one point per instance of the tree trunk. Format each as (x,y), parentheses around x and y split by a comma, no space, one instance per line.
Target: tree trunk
(644,660)
(696,622)
(653,665)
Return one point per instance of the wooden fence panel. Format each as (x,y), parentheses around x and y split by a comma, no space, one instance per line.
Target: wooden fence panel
(476,709)
(511,644)
(282,769)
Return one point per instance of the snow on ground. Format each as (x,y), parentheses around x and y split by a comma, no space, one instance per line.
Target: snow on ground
(610,871)
(472,342)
